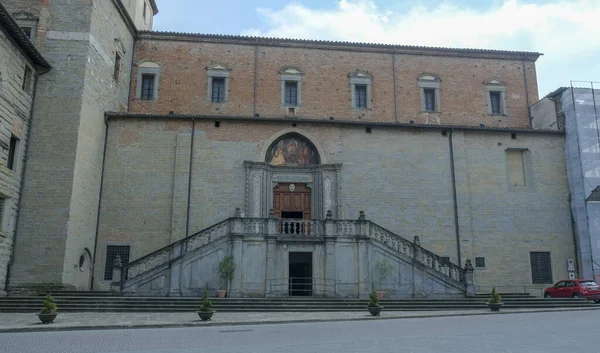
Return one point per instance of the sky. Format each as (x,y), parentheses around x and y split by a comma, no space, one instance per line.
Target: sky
(565,31)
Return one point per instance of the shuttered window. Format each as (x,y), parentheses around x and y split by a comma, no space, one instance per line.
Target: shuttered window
(148,86)
(291,93)
(360,98)
(218,89)
(429,99)
(496,102)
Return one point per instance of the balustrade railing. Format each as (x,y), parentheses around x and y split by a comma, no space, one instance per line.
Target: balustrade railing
(294,227)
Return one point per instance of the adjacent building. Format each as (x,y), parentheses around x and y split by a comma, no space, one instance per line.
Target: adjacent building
(20,66)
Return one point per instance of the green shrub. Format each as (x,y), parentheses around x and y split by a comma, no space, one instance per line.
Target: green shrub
(206,303)
(49,306)
(373,300)
(494,297)
(226,269)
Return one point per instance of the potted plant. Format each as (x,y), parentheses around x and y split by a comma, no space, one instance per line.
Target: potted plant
(495,301)
(374,306)
(48,312)
(383,268)
(205,311)
(226,272)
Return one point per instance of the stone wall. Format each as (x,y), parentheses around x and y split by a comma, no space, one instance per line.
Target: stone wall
(400,177)
(325,87)
(15,112)
(60,196)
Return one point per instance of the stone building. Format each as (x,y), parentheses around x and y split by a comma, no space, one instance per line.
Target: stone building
(342,160)
(20,65)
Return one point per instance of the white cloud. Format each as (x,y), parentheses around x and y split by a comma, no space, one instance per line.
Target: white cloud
(565,31)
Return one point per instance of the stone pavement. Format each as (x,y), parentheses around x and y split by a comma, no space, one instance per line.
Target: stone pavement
(20,322)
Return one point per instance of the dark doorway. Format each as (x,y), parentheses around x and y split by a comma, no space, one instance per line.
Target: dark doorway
(291,215)
(300,273)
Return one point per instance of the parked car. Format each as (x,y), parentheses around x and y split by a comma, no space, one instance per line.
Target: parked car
(577,288)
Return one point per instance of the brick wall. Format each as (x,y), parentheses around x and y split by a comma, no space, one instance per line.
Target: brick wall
(326,87)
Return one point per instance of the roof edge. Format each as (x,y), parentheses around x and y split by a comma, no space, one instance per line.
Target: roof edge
(154,6)
(22,41)
(110,115)
(340,45)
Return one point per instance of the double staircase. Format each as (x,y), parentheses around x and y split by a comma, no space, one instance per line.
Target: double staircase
(111,302)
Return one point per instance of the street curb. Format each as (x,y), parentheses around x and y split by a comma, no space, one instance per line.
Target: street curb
(198,323)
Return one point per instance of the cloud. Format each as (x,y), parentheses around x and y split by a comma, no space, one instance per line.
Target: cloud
(565,31)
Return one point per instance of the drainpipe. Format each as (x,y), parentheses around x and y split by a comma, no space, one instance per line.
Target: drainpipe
(456,228)
(99,202)
(187,219)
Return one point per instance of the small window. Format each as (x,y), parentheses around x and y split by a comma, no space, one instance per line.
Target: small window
(28,31)
(480,262)
(291,93)
(2,206)
(148,86)
(218,89)
(117,71)
(541,268)
(515,166)
(496,102)
(360,92)
(145,10)
(12,153)
(111,253)
(429,94)
(26,85)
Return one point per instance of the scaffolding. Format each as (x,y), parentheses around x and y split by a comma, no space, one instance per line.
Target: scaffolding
(582,152)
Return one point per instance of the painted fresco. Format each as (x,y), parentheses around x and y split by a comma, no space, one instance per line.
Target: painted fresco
(292,151)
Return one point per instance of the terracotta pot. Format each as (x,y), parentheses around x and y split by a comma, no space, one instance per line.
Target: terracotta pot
(375,310)
(379,295)
(494,306)
(222,293)
(205,315)
(47,318)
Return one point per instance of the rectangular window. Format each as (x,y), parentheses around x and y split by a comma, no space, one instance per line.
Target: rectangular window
(111,253)
(516,171)
(541,268)
(2,205)
(291,93)
(145,10)
(28,31)
(26,85)
(218,89)
(360,99)
(117,70)
(12,153)
(480,262)
(148,86)
(429,94)
(496,102)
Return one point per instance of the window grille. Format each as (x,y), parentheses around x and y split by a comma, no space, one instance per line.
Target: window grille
(541,267)
(218,89)
(480,262)
(148,86)
(360,92)
(429,99)
(495,100)
(111,253)
(291,93)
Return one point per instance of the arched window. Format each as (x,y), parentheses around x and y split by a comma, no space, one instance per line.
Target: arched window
(292,150)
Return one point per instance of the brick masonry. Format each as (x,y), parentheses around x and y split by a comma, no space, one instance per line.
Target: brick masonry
(326,89)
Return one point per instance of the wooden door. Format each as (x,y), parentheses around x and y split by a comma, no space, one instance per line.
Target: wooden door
(292,199)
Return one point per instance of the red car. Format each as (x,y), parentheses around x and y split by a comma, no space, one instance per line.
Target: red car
(576,288)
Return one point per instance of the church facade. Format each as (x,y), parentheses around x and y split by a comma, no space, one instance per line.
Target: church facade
(315,165)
